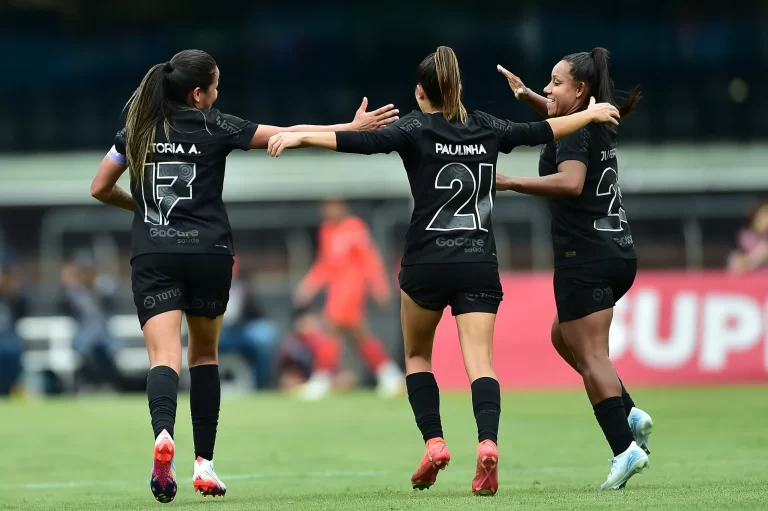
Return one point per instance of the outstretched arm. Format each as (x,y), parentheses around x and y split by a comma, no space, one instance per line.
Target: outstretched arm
(363,121)
(396,137)
(596,112)
(513,134)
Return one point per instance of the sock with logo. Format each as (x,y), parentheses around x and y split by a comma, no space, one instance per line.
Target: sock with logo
(486,402)
(162,390)
(612,418)
(204,403)
(424,397)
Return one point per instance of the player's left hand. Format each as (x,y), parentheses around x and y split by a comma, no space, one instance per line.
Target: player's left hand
(603,112)
(374,120)
(284,140)
(515,83)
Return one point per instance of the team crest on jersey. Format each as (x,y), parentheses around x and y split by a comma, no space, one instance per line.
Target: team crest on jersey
(459,149)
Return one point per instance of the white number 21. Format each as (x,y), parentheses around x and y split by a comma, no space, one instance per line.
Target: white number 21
(470,206)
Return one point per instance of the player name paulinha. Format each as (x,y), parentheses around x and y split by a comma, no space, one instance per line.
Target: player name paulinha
(459,150)
(173,148)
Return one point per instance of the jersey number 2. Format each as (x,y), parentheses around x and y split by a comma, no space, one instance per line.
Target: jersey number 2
(163,186)
(609,186)
(470,206)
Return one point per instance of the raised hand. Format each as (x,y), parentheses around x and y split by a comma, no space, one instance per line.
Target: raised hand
(374,120)
(515,83)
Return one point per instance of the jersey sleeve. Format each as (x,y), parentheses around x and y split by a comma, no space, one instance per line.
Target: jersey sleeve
(118,153)
(512,134)
(398,136)
(234,132)
(573,147)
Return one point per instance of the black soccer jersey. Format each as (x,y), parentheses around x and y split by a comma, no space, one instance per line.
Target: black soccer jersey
(594,225)
(178,206)
(451,169)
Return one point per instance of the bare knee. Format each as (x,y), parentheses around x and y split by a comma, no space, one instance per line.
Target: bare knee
(423,352)
(202,359)
(203,348)
(162,335)
(202,352)
(591,362)
(480,370)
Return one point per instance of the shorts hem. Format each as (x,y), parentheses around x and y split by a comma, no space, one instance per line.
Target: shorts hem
(143,318)
(573,316)
(424,305)
(591,260)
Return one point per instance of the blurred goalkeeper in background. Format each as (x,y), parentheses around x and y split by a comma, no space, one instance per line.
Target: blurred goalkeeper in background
(348,264)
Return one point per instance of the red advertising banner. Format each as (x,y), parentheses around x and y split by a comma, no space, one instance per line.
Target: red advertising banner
(672,328)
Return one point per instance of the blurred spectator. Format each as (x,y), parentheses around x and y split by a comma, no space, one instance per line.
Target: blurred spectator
(89,297)
(247,330)
(13,306)
(752,252)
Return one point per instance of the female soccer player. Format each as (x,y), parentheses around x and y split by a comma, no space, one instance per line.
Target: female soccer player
(176,145)
(595,260)
(450,254)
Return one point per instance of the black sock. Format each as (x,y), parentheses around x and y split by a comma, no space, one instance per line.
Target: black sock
(628,403)
(204,403)
(612,418)
(162,388)
(424,397)
(486,402)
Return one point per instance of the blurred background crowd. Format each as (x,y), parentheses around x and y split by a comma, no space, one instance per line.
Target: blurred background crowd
(693,166)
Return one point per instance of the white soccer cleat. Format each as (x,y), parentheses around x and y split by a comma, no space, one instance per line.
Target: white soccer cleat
(624,466)
(641,425)
(317,387)
(390,380)
(205,479)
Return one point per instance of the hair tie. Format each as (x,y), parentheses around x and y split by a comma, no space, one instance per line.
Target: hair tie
(168,67)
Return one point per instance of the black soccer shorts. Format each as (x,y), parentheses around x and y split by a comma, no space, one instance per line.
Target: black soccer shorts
(466,287)
(197,284)
(583,289)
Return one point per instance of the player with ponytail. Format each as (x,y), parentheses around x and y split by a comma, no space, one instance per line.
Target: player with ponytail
(450,157)
(595,259)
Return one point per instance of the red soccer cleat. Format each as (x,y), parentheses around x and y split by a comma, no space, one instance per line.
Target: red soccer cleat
(435,459)
(486,480)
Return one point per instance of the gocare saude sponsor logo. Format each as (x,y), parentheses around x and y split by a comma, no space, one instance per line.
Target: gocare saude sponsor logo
(191,236)
(469,244)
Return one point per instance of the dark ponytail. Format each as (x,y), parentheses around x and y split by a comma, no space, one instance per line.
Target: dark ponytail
(593,69)
(163,89)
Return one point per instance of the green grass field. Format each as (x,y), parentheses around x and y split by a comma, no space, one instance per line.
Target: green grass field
(356,452)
